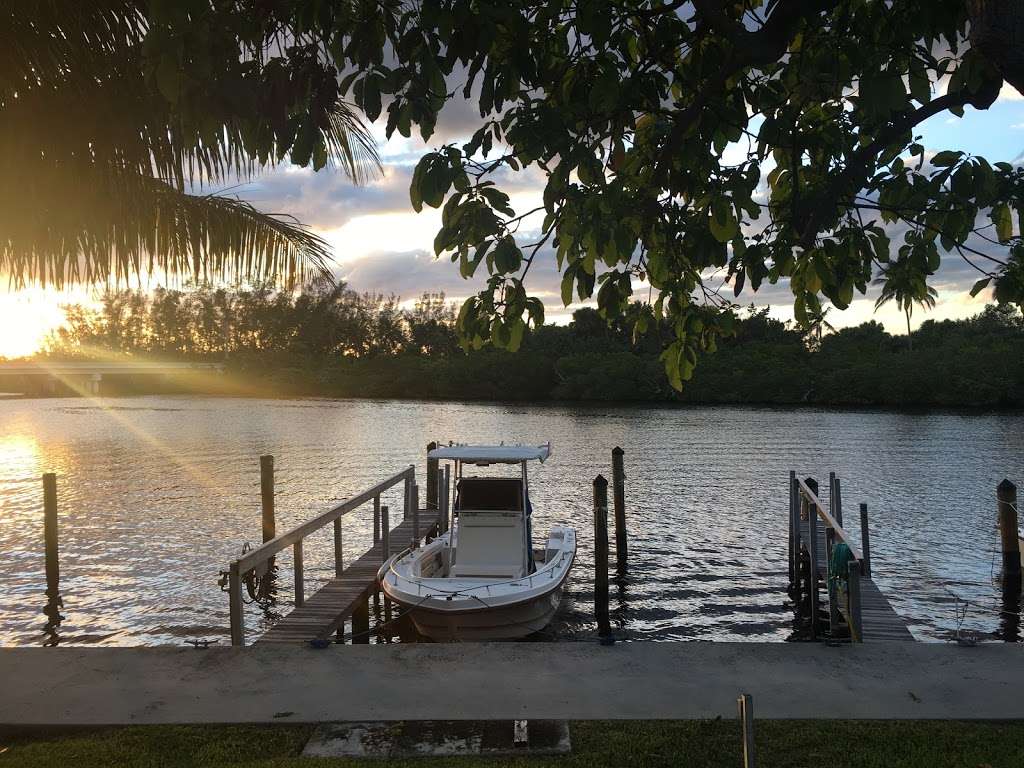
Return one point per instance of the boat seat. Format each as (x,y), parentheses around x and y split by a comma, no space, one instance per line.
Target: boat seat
(490,544)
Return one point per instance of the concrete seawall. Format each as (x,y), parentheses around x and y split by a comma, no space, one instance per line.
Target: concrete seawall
(106,686)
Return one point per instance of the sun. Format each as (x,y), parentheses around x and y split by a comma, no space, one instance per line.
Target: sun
(26,317)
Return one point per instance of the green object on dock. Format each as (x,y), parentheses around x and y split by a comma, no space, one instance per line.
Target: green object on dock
(838,567)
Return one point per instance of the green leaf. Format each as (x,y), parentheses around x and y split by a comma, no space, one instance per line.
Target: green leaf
(946,158)
(980,286)
(1003,219)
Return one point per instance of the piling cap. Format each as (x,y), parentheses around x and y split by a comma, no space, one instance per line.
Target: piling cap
(618,451)
(1006,488)
(599,480)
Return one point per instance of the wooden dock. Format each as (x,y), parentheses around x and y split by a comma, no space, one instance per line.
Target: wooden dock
(343,597)
(320,615)
(879,620)
(857,607)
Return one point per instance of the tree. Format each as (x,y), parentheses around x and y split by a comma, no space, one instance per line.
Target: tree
(817,325)
(118,116)
(682,142)
(903,281)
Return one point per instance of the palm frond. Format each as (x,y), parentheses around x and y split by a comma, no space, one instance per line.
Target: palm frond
(141,226)
(102,129)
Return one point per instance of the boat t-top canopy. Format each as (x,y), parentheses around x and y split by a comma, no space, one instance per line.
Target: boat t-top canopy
(492,454)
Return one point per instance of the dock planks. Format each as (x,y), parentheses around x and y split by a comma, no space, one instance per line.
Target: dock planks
(879,618)
(325,611)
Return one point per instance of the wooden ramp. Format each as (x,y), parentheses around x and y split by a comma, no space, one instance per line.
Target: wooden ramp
(325,612)
(879,619)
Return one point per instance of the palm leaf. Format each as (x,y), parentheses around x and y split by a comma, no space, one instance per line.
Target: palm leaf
(97,155)
(142,226)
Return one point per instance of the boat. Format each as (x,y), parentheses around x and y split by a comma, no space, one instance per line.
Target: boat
(483,579)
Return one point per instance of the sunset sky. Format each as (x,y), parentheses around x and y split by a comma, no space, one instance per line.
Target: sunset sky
(380,244)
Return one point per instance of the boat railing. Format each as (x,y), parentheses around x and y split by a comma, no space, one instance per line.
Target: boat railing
(260,558)
(807,507)
(548,571)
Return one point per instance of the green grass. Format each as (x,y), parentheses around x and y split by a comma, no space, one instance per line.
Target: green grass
(694,744)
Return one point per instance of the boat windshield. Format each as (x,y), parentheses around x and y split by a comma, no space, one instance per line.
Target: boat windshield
(490,494)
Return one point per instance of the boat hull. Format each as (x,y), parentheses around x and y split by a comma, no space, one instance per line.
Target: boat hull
(507,622)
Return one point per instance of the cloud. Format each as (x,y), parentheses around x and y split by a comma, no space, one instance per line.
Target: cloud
(1009,93)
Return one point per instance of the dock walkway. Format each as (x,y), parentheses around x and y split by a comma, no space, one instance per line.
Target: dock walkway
(878,618)
(325,612)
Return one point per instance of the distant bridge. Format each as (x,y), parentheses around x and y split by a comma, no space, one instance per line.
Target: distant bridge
(85,377)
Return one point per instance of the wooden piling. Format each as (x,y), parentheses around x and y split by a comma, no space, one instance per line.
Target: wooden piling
(339,557)
(50,535)
(1006,505)
(865,540)
(746,708)
(812,551)
(794,530)
(376,519)
(415,514)
(235,605)
(432,484)
(300,575)
(837,503)
(619,494)
(604,628)
(446,500)
(854,602)
(385,542)
(361,623)
(267,497)
(833,594)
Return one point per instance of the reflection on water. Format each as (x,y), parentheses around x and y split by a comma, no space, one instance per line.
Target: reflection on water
(158,494)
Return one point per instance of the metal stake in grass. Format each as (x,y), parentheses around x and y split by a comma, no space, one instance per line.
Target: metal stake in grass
(746,707)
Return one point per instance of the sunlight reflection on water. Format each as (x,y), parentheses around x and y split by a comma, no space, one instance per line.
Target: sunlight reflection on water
(157,494)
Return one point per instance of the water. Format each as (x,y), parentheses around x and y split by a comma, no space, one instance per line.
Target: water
(157,494)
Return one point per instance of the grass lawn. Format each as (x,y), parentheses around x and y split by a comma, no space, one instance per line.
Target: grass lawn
(689,744)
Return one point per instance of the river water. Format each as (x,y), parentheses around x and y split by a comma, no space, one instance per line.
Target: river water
(157,494)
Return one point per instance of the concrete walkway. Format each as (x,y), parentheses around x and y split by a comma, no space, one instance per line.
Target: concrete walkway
(77,686)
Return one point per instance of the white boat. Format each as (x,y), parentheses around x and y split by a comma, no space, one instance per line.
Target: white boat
(483,579)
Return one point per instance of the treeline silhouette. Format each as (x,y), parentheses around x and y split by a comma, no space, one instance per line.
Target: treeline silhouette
(340,343)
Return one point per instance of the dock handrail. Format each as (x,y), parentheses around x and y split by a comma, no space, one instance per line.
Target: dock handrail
(802,499)
(830,522)
(249,561)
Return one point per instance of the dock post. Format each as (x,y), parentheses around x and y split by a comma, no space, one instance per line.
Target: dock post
(431,478)
(361,622)
(812,552)
(407,496)
(415,515)
(1006,503)
(833,593)
(619,498)
(865,540)
(339,558)
(376,519)
(236,613)
(794,528)
(853,597)
(446,501)
(50,535)
(837,503)
(604,628)
(267,497)
(385,543)
(746,707)
(300,575)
